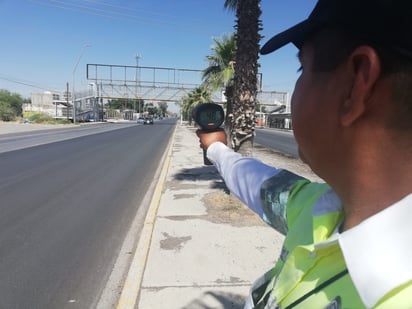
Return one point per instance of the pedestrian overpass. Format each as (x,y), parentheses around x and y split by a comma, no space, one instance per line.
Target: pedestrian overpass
(159,84)
(150,84)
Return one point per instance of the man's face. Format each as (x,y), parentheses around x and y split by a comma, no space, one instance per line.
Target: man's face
(315,113)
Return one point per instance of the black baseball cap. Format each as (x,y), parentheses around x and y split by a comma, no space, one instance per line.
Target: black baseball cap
(384,22)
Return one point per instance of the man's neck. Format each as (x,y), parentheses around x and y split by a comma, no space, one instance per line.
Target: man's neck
(374,192)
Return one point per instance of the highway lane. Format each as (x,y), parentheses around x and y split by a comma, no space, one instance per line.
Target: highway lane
(65,208)
(279,140)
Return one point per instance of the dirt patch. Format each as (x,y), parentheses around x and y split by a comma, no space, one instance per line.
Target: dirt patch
(226,208)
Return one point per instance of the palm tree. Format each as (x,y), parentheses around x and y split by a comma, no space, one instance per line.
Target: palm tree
(197,96)
(246,71)
(220,69)
(219,74)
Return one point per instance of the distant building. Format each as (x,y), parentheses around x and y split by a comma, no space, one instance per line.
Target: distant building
(58,105)
(51,103)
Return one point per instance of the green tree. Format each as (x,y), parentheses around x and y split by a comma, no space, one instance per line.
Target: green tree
(10,105)
(246,67)
(138,105)
(219,74)
(152,110)
(162,109)
(197,96)
(220,70)
(123,104)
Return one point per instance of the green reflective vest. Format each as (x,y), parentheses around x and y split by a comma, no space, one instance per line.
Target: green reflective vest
(311,270)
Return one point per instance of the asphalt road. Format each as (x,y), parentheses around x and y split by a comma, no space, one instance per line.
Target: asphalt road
(65,208)
(19,136)
(279,140)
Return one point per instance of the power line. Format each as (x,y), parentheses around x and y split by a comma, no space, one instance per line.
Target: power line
(25,83)
(162,15)
(102,11)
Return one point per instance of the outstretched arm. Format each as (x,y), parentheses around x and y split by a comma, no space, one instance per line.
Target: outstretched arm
(243,175)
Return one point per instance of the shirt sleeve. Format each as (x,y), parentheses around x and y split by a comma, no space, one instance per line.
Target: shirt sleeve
(243,176)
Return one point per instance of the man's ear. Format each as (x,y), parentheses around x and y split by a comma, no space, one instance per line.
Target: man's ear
(364,66)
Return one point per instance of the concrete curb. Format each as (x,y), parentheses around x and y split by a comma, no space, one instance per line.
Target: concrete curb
(131,288)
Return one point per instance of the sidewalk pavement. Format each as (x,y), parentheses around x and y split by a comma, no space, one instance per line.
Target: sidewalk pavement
(200,247)
(17,127)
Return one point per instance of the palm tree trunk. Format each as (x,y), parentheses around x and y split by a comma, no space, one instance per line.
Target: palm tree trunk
(229,111)
(245,78)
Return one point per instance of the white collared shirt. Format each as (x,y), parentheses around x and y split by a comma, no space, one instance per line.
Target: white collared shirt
(378,251)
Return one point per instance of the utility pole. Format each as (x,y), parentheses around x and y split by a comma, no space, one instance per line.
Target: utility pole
(137,57)
(67,100)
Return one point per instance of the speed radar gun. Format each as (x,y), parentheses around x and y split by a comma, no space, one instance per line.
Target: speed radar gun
(209,117)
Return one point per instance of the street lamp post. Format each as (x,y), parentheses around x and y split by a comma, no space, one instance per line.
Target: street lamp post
(100,96)
(74,72)
(95,100)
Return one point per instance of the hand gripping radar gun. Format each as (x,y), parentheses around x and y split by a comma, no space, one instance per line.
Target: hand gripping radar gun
(209,117)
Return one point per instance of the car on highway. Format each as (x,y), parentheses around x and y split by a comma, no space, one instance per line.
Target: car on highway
(148,120)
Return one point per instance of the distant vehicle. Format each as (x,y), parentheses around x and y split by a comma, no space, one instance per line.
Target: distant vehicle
(148,120)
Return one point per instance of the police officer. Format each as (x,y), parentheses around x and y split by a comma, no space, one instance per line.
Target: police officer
(348,241)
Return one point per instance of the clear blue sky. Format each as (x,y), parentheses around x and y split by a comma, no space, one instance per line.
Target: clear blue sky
(42,40)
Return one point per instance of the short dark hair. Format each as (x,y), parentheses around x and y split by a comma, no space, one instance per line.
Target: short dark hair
(332,46)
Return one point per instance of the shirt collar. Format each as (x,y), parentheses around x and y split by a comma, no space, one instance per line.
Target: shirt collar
(378,251)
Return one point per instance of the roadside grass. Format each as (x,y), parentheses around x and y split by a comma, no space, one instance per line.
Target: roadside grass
(40,118)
